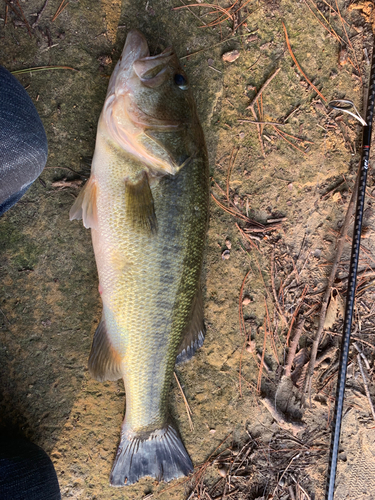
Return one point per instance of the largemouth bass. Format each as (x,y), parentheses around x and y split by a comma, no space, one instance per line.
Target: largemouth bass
(146,203)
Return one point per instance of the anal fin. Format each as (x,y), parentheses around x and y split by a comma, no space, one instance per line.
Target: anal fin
(194,333)
(85,205)
(104,361)
(140,210)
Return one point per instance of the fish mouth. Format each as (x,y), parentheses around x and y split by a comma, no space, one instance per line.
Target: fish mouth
(129,125)
(136,67)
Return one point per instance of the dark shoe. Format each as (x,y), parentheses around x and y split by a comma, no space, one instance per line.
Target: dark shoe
(23,141)
(26,471)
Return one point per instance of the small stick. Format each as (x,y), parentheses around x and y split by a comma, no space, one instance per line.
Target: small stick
(262,359)
(230,168)
(349,42)
(299,67)
(188,410)
(191,12)
(296,313)
(261,123)
(230,211)
(252,108)
(365,385)
(331,30)
(293,427)
(293,347)
(264,86)
(24,18)
(39,14)
(327,295)
(285,139)
(211,47)
(246,237)
(283,474)
(59,10)
(259,129)
(40,68)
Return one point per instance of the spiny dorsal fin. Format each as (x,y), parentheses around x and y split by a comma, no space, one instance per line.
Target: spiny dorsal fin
(194,336)
(85,205)
(140,210)
(104,361)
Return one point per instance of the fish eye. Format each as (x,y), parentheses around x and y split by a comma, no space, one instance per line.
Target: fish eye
(180,81)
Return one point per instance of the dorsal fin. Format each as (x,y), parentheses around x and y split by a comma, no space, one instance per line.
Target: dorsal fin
(194,333)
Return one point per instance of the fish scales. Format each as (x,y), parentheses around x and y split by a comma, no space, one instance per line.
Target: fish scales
(146,203)
(160,276)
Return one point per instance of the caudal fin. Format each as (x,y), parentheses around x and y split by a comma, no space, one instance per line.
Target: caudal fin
(161,454)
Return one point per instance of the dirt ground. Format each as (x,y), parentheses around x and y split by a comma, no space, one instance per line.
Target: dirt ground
(261,281)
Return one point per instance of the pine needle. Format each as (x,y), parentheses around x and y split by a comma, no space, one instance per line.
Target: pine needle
(188,409)
(40,68)
(299,67)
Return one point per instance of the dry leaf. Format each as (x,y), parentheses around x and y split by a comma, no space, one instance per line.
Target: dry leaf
(231,56)
(331,312)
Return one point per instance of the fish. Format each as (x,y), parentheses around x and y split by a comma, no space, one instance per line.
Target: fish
(23,141)
(146,202)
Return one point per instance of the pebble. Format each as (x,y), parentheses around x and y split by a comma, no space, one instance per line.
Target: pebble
(225,255)
(231,56)
(228,244)
(246,301)
(222,472)
(251,346)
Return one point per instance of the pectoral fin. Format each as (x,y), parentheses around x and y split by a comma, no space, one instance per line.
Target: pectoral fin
(85,205)
(194,334)
(140,210)
(104,361)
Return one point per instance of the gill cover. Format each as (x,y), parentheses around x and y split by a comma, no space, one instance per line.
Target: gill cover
(136,76)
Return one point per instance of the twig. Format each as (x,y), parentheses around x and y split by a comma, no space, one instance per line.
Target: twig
(252,108)
(330,29)
(262,358)
(262,89)
(230,168)
(211,46)
(39,14)
(327,295)
(283,474)
(20,15)
(191,12)
(365,385)
(188,409)
(285,139)
(296,313)
(248,237)
(24,18)
(60,9)
(40,68)
(299,67)
(261,123)
(293,347)
(230,211)
(349,42)
(293,427)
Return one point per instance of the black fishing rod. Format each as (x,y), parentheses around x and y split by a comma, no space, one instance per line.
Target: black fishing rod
(352,280)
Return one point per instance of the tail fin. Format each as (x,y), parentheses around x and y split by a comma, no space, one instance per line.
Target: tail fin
(160,454)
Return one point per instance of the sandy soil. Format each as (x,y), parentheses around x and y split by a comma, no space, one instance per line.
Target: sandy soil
(49,303)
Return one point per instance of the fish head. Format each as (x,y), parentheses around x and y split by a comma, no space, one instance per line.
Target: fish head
(149,109)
